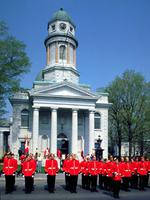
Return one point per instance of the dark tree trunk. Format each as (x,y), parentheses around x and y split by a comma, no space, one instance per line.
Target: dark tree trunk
(130,140)
(141,144)
(119,142)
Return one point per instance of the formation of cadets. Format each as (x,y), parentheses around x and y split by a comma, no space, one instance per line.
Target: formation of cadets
(110,174)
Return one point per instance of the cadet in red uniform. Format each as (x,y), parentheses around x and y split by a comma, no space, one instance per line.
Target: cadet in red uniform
(148,171)
(101,175)
(116,178)
(108,179)
(22,159)
(83,170)
(9,168)
(127,173)
(104,173)
(16,167)
(65,169)
(134,178)
(28,169)
(93,171)
(51,167)
(122,162)
(74,170)
(33,160)
(85,173)
(87,177)
(142,171)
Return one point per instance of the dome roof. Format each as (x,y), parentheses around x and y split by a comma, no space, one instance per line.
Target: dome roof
(61,15)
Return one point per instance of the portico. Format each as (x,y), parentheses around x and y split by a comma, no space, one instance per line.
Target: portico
(72,133)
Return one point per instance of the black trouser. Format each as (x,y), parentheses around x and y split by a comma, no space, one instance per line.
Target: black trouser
(28,184)
(134,181)
(13,180)
(32,182)
(51,182)
(116,188)
(126,181)
(142,182)
(67,180)
(9,183)
(146,181)
(73,182)
(107,183)
(85,181)
(101,180)
(93,182)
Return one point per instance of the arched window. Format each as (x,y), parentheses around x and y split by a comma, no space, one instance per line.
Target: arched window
(97,120)
(62,52)
(25,118)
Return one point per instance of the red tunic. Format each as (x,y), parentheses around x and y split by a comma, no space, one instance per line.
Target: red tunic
(34,163)
(83,166)
(74,167)
(65,165)
(28,168)
(149,166)
(10,166)
(94,167)
(127,169)
(15,164)
(122,164)
(142,169)
(51,167)
(117,172)
(100,167)
(109,169)
(135,165)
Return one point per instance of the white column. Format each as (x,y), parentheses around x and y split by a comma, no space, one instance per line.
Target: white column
(1,143)
(91,131)
(86,133)
(35,133)
(53,138)
(74,136)
(10,139)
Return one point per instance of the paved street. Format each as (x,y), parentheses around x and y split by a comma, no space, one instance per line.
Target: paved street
(40,193)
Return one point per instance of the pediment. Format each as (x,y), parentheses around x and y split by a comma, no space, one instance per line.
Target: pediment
(64,90)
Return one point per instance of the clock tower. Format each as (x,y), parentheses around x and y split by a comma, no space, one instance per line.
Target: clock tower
(61,47)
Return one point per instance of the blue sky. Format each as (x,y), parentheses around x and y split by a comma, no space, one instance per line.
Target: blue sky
(113,35)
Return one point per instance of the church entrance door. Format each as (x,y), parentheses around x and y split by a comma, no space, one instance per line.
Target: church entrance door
(63,143)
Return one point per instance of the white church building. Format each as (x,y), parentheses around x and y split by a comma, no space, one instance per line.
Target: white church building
(59,112)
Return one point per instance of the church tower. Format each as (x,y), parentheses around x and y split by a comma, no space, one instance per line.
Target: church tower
(61,46)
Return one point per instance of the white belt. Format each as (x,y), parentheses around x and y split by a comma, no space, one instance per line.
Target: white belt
(73,167)
(52,168)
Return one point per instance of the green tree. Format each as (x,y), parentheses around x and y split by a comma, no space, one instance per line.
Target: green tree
(143,136)
(14,62)
(115,116)
(128,96)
